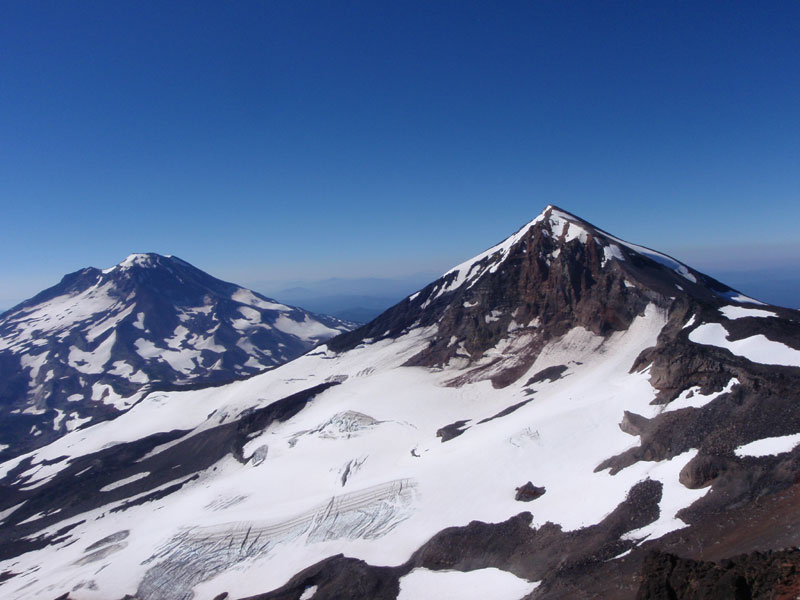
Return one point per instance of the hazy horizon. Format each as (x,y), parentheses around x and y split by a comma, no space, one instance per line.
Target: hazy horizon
(767,273)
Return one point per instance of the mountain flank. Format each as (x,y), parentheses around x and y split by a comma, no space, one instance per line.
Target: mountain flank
(90,347)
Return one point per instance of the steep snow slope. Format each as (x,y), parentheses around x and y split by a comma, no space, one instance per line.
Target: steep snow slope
(409,443)
(93,345)
(369,445)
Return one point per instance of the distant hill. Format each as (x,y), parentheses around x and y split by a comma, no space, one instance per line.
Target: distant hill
(93,345)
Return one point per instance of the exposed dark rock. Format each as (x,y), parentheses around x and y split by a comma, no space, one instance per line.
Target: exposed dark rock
(16,547)
(448,432)
(529,492)
(505,412)
(280,411)
(546,553)
(756,576)
(337,578)
(6,575)
(703,469)
(550,374)
(153,496)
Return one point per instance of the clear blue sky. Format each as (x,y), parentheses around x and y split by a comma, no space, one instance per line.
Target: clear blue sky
(276,140)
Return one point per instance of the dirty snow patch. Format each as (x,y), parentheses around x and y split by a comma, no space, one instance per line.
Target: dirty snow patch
(126,481)
(421,584)
(757,348)
(739,312)
(308,593)
(737,297)
(771,446)
(692,398)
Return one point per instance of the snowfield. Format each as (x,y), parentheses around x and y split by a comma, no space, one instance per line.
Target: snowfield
(422,584)
(757,348)
(769,446)
(376,480)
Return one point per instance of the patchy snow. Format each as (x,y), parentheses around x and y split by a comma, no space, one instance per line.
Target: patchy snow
(493,316)
(60,414)
(108,395)
(75,421)
(135,260)
(612,251)
(757,348)
(769,446)
(422,584)
(182,360)
(34,362)
(307,329)
(674,496)
(692,398)
(92,361)
(111,322)
(38,516)
(4,514)
(690,322)
(247,297)
(250,314)
(739,312)
(470,271)
(61,313)
(737,297)
(669,262)
(250,318)
(126,481)
(621,554)
(125,370)
(196,312)
(178,336)
(308,593)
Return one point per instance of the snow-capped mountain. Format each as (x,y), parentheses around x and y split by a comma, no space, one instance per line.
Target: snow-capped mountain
(565,416)
(96,343)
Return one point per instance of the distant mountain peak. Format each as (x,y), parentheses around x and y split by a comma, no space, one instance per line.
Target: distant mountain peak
(145,259)
(98,341)
(148,260)
(141,259)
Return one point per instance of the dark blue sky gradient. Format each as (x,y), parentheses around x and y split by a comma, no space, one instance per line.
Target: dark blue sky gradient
(291,140)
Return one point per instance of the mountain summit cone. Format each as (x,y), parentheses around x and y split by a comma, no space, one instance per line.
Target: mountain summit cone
(556,273)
